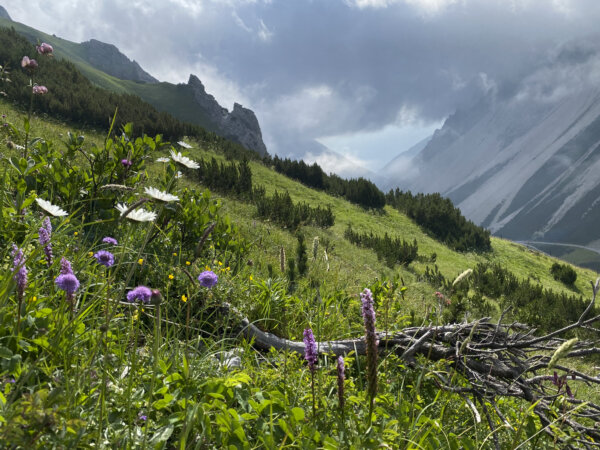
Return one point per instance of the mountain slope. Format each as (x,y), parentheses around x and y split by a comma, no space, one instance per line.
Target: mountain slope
(4,13)
(107,67)
(524,165)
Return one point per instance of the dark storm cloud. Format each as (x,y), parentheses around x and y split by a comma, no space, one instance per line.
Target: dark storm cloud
(317,68)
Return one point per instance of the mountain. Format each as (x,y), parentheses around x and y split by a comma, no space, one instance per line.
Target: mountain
(104,65)
(401,164)
(524,162)
(108,59)
(4,13)
(240,125)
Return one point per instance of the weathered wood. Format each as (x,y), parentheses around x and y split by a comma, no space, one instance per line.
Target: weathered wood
(495,359)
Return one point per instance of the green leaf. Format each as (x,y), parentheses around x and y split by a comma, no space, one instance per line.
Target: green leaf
(298,414)
(162,435)
(5,353)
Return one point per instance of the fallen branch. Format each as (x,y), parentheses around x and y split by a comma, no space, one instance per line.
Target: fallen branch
(496,360)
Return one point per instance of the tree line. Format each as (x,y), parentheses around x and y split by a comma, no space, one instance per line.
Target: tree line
(441,219)
(356,190)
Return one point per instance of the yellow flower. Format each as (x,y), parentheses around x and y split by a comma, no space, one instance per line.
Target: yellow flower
(174,253)
(135,316)
(187,263)
(227,268)
(90,254)
(206,267)
(75,234)
(171,276)
(251,278)
(34,299)
(220,263)
(141,261)
(183,298)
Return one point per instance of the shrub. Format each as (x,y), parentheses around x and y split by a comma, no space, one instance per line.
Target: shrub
(563,273)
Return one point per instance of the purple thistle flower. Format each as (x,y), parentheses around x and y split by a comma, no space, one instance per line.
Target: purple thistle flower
(105,258)
(368,313)
(126,163)
(68,282)
(110,240)
(341,376)
(141,293)
(65,267)
(208,279)
(20,270)
(310,349)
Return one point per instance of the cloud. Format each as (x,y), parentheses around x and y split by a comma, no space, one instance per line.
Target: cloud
(336,67)
(345,165)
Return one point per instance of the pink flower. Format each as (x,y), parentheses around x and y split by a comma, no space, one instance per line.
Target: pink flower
(40,89)
(27,63)
(44,48)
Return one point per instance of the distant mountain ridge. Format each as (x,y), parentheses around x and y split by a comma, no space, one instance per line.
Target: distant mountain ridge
(4,13)
(524,165)
(108,59)
(107,67)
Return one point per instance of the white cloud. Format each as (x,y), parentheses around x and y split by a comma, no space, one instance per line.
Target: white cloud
(264,33)
(346,165)
(425,6)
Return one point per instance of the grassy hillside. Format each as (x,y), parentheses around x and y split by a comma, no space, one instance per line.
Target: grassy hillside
(167,97)
(142,351)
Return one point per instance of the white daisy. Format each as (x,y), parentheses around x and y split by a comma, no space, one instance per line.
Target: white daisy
(50,208)
(160,195)
(178,174)
(184,144)
(139,215)
(163,159)
(187,162)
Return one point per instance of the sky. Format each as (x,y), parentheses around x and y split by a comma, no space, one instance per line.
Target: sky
(366,78)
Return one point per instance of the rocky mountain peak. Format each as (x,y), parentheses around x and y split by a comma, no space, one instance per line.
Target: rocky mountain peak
(239,125)
(108,58)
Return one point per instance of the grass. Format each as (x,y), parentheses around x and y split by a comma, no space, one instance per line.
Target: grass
(111,374)
(174,99)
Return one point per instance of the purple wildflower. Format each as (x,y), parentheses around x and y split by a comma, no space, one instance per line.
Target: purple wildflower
(126,163)
(47,225)
(39,89)
(141,293)
(105,258)
(110,240)
(27,63)
(208,279)
(44,49)
(310,349)
(45,233)
(371,343)
(20,270)
(341,376)
(68,282)
(65,267)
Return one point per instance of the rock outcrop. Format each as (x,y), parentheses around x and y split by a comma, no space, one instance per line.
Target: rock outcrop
(239,125)
(108,59)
